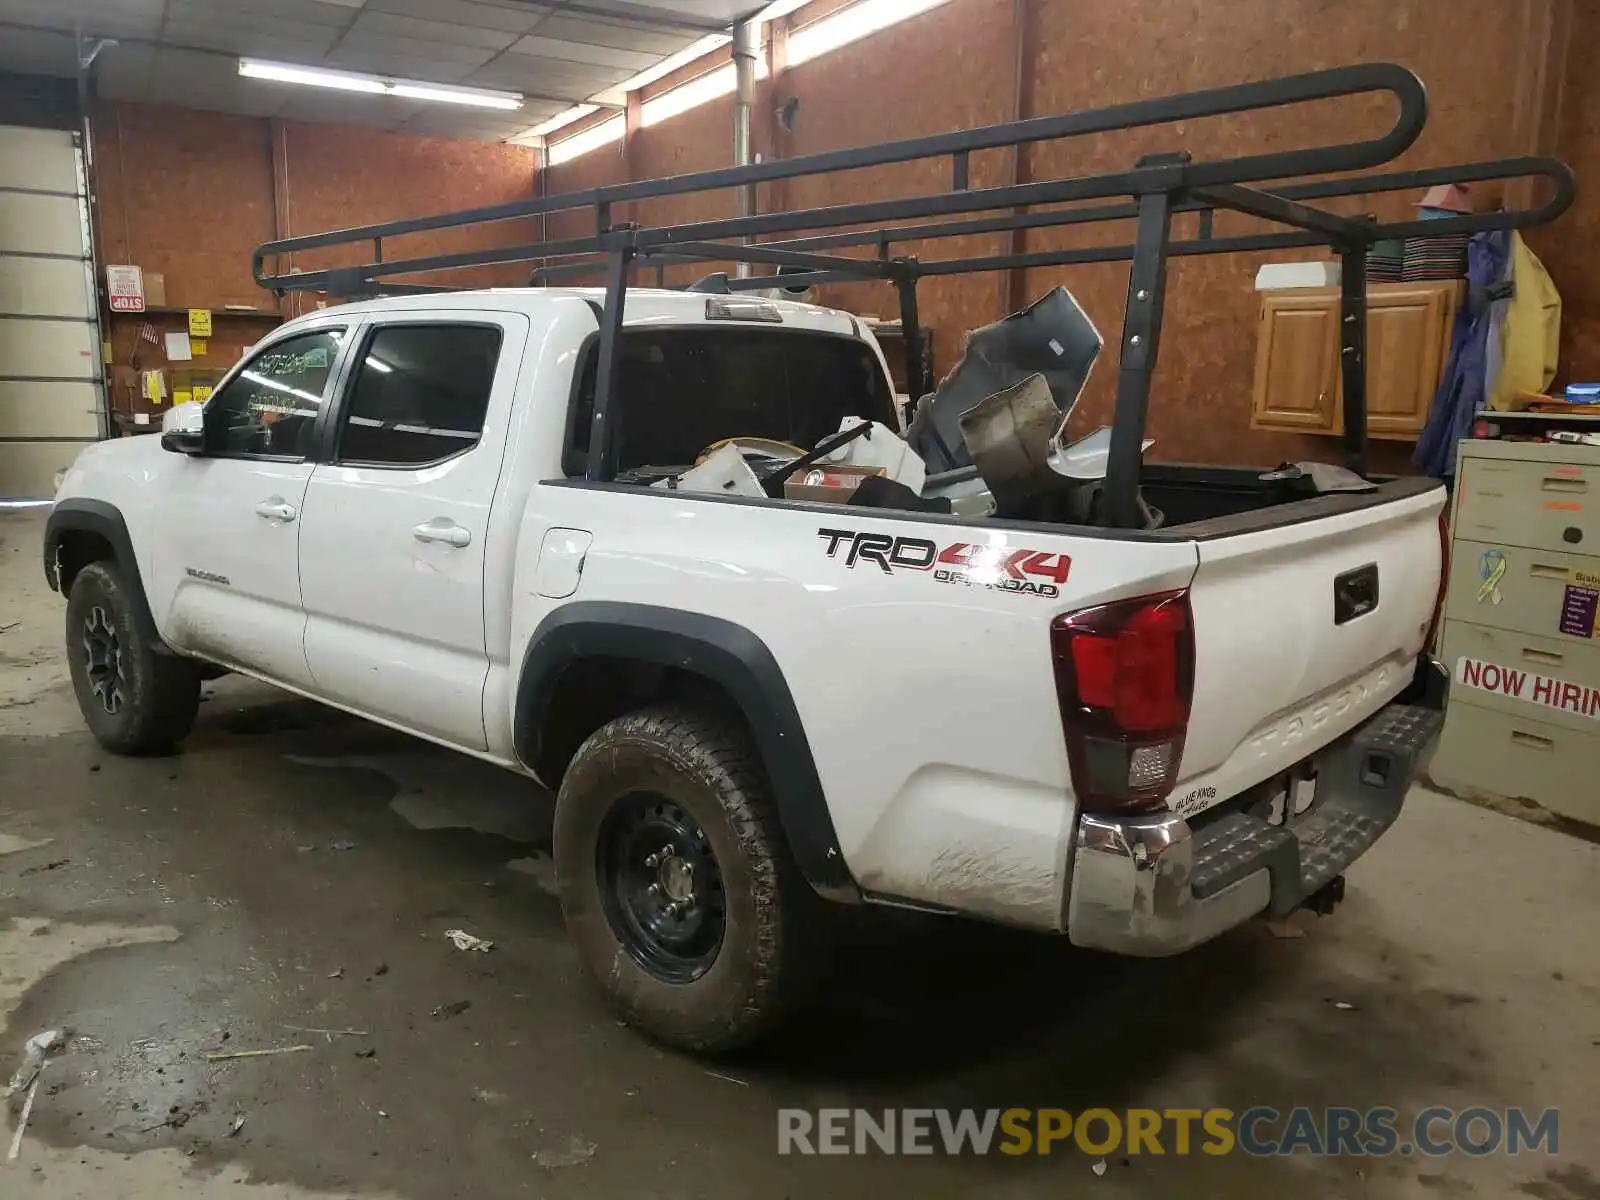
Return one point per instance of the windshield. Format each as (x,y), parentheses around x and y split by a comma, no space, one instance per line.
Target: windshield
(680,390)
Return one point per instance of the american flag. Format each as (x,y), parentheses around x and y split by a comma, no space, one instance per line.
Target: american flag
(148,332)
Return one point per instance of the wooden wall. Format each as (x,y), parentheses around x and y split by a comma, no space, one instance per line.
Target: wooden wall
(957,66)
(190,194)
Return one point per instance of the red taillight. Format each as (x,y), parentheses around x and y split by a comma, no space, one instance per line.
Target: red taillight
(1125,679)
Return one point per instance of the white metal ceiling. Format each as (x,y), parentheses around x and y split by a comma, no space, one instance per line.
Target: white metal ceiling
(184,52)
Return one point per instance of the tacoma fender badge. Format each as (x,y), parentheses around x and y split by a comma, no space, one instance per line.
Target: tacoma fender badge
(207,576)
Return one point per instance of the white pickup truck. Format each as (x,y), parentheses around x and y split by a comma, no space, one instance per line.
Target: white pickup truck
(1136,738)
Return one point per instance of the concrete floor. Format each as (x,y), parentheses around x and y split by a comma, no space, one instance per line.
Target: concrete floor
(297,868)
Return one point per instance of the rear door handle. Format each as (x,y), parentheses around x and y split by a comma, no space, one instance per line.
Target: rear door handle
(277,509)
(442,531)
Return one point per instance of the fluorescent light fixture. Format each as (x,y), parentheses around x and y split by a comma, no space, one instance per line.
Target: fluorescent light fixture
(448,94)
(669,64)
(851,24)
(374,85)
(252,68)
(592,138)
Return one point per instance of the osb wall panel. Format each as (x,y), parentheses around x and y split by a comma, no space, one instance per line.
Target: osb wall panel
(187,194)
(340,175)
(190,194)
(1568,247)
(594,169)
(1200,401)
(951,68)
(698,140)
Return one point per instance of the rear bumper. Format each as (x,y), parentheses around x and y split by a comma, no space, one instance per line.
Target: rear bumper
(1155,885)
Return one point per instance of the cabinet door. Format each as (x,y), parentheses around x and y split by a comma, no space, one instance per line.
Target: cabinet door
(1407,333)
(1296,362)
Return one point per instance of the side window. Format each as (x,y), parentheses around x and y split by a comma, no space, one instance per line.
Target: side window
(420,394)
(270,408)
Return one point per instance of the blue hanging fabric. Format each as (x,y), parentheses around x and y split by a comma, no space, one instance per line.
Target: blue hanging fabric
(1461,394)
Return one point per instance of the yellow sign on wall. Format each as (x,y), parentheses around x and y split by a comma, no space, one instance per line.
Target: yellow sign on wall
(200,322)
(197,348)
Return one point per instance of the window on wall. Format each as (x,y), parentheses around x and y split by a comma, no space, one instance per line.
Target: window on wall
(850,25)
(421,394)
(592,138)
(805,43)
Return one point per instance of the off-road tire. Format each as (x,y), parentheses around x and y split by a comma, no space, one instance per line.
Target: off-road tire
(702,763)
(159,693)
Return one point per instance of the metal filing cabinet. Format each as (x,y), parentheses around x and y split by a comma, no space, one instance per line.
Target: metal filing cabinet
(1522,615)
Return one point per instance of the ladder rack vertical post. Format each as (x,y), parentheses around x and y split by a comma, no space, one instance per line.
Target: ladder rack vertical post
(1141,335)
(602,445)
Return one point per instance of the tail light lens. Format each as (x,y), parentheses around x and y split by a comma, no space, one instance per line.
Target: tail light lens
(1125,680)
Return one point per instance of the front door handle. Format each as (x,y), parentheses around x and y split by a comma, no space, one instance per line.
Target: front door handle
(277,509)
(442,531)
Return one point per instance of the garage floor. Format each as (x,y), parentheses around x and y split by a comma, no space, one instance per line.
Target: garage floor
(295,870)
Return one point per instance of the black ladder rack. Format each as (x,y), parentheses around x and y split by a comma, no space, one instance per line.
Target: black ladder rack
(1154,190)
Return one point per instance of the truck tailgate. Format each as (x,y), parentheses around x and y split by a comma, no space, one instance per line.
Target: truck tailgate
(1291,651)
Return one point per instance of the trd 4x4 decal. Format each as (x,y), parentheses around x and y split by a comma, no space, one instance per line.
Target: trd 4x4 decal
(1032,572)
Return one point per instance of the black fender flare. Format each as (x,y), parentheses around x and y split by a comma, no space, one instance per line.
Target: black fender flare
(105,520)
(724,653)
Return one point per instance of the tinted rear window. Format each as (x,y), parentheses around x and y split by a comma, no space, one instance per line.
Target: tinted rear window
(680,390)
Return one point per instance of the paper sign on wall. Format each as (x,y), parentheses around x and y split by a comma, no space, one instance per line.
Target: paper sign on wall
(181,396)
(178,347)
(1526,686)
(200,322)
(125,288)
(153,386)
(197,346)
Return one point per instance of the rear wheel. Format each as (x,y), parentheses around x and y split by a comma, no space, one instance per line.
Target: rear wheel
(134,699)
(675,881)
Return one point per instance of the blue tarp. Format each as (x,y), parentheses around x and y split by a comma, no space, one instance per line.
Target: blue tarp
(1461,394)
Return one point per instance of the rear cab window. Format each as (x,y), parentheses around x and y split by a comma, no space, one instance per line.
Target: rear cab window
(420,394)
(680,390)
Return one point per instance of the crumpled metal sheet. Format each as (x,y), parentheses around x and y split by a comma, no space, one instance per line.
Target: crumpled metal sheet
(1009,435)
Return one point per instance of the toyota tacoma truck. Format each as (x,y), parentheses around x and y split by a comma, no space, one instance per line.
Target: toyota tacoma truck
(602,537)
(748,707)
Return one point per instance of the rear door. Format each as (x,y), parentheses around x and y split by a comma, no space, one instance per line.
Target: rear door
(225,556)
(392,544)
(1302,631)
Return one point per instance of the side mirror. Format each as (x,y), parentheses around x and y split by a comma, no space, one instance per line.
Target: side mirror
(183,429)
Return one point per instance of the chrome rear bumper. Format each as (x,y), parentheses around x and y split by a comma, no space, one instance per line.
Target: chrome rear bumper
(1156,885)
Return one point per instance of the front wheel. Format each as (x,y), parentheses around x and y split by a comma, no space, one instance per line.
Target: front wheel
(675,880)
(135,699)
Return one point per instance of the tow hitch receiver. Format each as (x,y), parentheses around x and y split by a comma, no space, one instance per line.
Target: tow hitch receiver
(1327,897)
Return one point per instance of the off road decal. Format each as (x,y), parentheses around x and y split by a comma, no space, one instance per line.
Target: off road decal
(961,564)
(1526,686)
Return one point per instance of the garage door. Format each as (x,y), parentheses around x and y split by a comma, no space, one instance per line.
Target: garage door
(50,394)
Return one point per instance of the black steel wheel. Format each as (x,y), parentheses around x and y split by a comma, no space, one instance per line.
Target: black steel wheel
(661,887)
(678,888)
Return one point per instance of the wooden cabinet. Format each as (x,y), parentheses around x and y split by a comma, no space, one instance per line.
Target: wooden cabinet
(1297,361)
(1298,387)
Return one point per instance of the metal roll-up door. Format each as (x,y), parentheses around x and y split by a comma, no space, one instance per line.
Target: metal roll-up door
(52,401)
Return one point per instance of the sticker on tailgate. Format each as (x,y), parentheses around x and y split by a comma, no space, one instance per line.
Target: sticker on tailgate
(1528,687)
